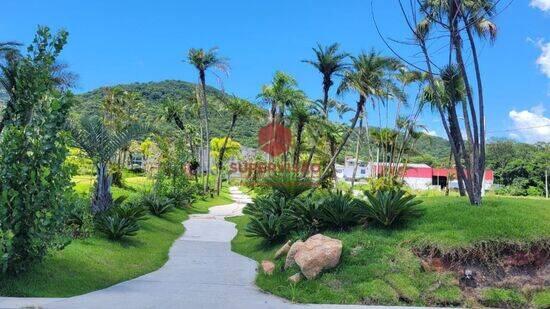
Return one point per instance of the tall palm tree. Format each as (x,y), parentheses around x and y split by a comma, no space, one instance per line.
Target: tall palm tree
(300,114)
(204,60)
(101,145)
(474,17)
(451,92)
(370,75)
(237,108)
(329,61)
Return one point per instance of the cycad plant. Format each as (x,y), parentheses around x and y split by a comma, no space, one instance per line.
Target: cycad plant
(338,211)
(388,207)
(287,184)
(270,217)
(101,145)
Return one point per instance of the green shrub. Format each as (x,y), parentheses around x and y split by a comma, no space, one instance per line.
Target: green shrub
(389,207)
(116,227)
(534,191)
(34,178)
(289,185)
(383,184)
(270,218)
(495,297)
(80,220)
(157,205)
(338,210)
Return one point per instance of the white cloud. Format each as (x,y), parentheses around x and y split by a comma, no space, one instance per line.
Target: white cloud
(530,125)
(541,4)
(431,132)
(543,60)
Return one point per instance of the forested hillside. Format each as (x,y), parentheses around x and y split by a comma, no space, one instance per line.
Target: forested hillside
(154,93)
(431,150)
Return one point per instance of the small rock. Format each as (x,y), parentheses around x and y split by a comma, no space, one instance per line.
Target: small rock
(295,278)
(283,250)
(268,267)
(289,262)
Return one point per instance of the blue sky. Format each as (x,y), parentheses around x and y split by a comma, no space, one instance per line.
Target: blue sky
(126,41)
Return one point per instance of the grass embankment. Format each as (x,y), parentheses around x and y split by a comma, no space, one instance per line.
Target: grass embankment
(378,265)
(94,263)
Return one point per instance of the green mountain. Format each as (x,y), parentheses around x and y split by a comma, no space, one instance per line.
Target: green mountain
(431,149)
(153,94)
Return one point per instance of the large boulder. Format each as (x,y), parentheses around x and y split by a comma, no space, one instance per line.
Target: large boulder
(316,254)
(289,262)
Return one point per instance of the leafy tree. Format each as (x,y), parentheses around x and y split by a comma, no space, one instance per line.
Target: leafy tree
(34,181)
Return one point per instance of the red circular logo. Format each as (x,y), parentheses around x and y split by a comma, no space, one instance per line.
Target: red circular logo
(274,139)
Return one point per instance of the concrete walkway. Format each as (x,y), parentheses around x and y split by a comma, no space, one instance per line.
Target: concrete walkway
(201,272)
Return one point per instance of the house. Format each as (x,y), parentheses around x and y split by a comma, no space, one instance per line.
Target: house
(346,171)
(416,176)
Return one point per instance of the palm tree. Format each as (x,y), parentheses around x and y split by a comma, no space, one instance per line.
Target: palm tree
(369,76)
(204,60)
(474,17)
(101,145)
(300,113)
(329,62)
(451,92)
(237,108)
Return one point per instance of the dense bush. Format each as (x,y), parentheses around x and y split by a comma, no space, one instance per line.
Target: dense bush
(34,179)
(270,217)
(388,207)
(383,184)
(80,220)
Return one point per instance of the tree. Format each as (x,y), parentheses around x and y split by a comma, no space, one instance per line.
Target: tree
(101,144)
(448,20)
(329,62)
(300,114)
(34,179)
(203,61)
(237,108)
(223,148)
(369,77)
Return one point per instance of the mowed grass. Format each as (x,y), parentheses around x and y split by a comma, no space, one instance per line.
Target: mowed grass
(378,265)
(94,263)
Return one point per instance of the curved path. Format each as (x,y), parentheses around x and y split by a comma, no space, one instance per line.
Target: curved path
(201,272)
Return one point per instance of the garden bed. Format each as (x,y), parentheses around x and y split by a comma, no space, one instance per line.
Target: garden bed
(382,266)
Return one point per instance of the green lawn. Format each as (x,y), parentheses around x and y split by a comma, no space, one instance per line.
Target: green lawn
(202,205)
(378,266)
(94,263)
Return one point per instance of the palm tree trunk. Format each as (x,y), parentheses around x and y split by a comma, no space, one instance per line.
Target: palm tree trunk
(102,198)
(454,148)
(309,159)
(360,106)
(481,107)
(357,147)
(222,153)
(297,148)
(206,128)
